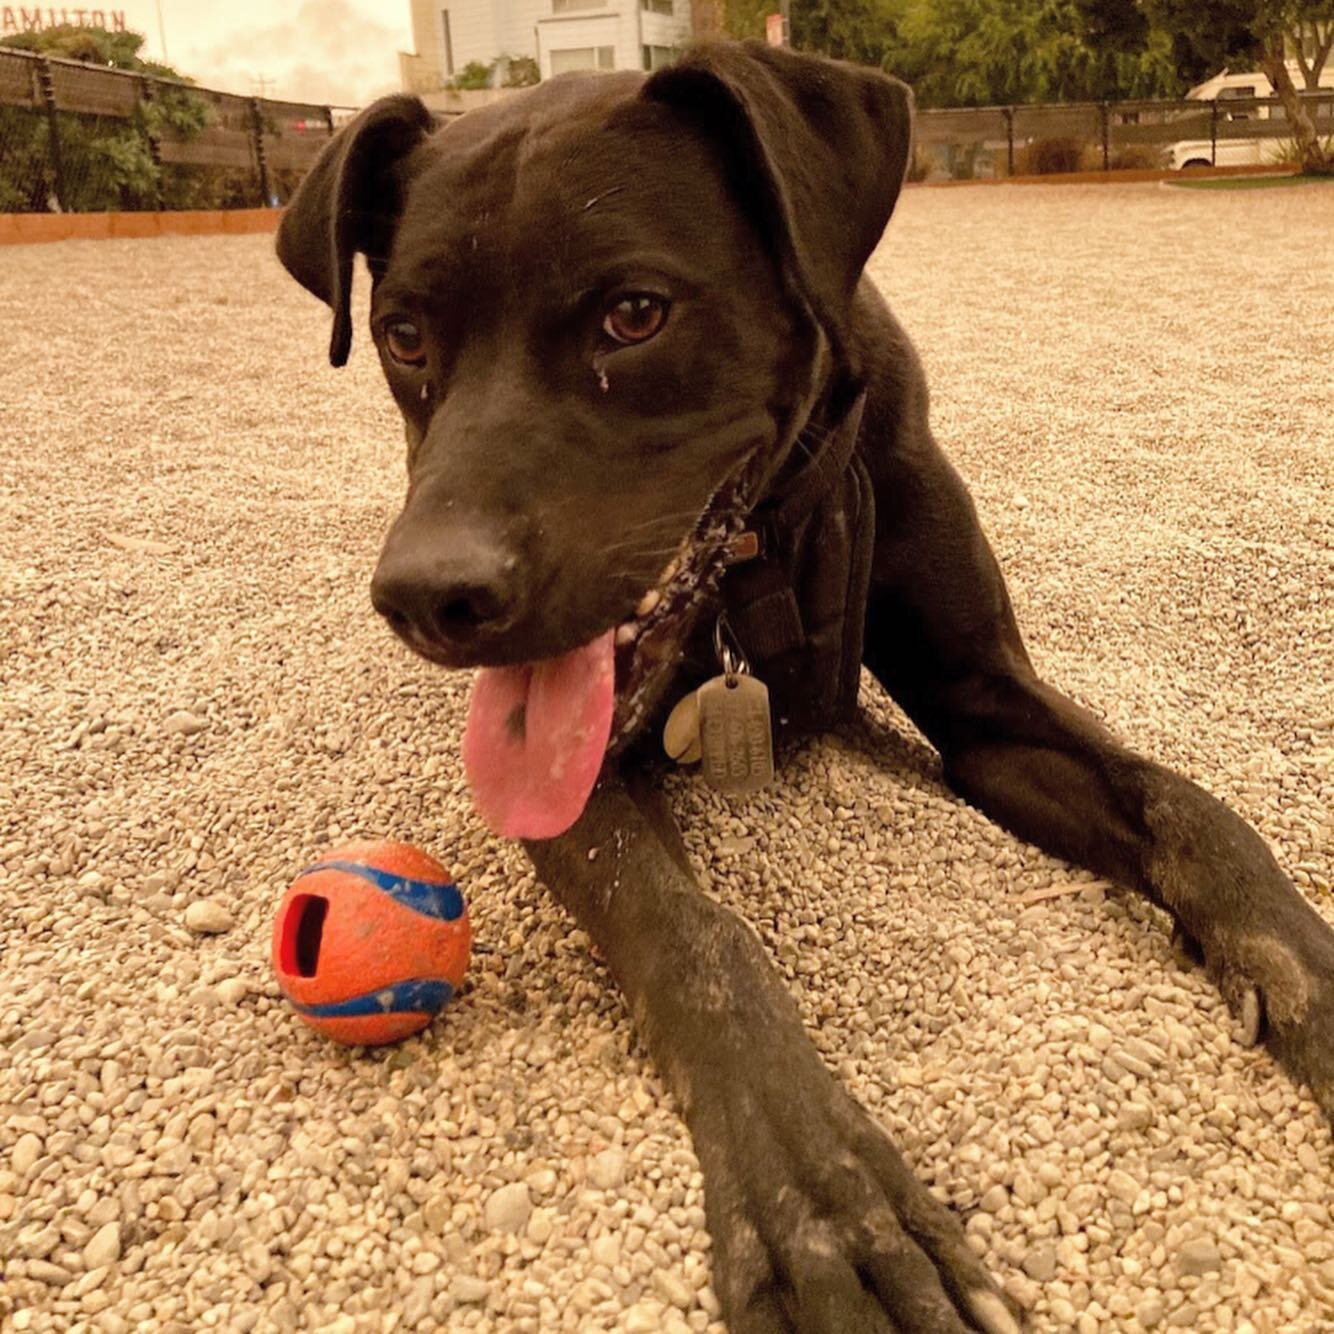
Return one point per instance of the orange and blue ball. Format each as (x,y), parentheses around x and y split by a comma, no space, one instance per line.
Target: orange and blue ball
(371,942)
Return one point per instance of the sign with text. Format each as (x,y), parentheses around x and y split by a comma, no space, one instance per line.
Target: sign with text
(19,18)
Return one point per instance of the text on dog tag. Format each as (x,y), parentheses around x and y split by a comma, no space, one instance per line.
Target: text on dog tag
(735,733)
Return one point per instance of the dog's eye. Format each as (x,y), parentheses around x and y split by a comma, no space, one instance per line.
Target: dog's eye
(635,319)
(405,344)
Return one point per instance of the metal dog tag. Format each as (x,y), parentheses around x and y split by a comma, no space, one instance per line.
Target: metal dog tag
(735,733)
(680,737)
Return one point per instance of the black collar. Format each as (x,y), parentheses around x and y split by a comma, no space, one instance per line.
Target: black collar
(759,596)
(818,459)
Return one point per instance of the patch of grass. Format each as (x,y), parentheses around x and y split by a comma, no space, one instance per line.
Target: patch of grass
(1252,182)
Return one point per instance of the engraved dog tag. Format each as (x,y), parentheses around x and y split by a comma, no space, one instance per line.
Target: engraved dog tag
(680,737)
(735,733)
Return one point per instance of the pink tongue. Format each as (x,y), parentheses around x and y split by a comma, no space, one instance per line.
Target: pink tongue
(536,737)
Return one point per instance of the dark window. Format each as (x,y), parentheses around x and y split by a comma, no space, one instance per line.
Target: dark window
(655,57)
(582,57)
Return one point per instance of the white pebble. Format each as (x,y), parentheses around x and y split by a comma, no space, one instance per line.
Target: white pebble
(103,1248)
(469,1290)
(27,1150)
(606,1170)
(205,917)
(232,990)
(184,723)
(508,1208)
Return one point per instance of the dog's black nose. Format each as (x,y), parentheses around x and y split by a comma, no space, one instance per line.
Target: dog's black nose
(444,593)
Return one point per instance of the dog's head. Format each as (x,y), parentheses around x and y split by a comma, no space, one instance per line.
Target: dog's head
(605,307)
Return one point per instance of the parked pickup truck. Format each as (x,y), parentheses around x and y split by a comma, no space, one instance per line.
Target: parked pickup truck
(1234,149)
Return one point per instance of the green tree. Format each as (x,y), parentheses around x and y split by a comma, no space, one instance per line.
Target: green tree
(1246,33)
(745,18)
(93,46)
(988,52)
(860,30)
(975,52)
(114,155)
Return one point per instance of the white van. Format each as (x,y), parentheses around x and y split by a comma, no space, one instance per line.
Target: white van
(1233,149)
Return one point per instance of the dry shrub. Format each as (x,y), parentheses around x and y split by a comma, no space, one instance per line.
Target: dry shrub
(1049,157)
(1288,153)
(920,166)
(1136,157)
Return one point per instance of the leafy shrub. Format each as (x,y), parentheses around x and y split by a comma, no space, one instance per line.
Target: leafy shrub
(108,160)
(473,76)
(522,72)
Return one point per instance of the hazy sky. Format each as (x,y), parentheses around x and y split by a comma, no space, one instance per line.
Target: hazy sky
(336,51)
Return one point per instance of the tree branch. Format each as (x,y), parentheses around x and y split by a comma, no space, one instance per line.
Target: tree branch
(1324,45)
(1296,37)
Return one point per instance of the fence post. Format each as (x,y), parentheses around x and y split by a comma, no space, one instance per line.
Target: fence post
(257,117)
(145,91)
(1213,133)
(46,86)
(1009,140)
(328,120)
(1105,117)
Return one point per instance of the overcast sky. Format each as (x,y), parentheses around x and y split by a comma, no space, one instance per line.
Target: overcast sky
(329,51)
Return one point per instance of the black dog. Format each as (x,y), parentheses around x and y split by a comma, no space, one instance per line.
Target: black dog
(660,429)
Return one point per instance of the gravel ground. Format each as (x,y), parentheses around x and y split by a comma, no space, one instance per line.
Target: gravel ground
(197,698)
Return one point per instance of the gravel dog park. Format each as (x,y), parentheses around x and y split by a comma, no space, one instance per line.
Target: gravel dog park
(1134,372)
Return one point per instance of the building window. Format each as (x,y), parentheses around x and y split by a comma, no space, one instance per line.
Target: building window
(583,57)
(449,43)
(655,57)
(569,6)
(656,6)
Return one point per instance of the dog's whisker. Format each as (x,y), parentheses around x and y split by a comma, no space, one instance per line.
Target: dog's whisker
(646,553)
(662,521)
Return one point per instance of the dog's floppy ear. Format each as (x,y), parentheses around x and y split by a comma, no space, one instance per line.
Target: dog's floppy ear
(349,202)
(818,149)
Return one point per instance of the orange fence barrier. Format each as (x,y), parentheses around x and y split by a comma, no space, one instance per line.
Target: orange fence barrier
(1131,177)
(28,228)
(31,228)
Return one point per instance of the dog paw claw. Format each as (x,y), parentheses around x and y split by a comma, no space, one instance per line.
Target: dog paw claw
(821,1228)
(1186,947)
(1250,1018)
(990,1313)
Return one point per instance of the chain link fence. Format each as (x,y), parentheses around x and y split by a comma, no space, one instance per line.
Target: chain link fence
(82,138)
(990,142)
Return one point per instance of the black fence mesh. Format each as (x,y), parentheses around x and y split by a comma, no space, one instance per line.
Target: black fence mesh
(82,138)
(977,143)
(78,137)
(27,180)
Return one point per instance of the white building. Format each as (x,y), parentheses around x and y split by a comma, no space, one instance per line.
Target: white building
(559,35)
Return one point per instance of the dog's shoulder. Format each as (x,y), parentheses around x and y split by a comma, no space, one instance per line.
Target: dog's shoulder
(895,420)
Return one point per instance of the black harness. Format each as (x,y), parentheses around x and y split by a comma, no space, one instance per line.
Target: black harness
(797,605)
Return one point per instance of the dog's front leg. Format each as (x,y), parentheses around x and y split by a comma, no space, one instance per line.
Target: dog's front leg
(817,1223)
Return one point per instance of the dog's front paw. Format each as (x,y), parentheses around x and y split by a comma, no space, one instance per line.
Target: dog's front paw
(818,1225)
(1233,909)
(1280,988)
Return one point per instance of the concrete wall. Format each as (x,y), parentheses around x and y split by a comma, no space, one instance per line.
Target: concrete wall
(428,38)
(484,30)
